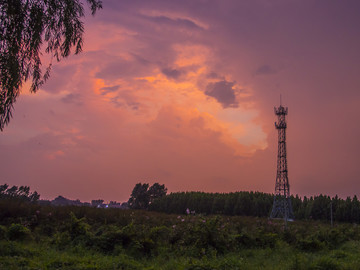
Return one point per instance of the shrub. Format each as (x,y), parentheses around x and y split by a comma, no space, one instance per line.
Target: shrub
(14,249)
(332,238)
(77,227)
(309,245)
(299,263)
(220,263)
(265,240)
(325,263)
(61,239)
(3,232)
(18,232)
(106,240)
(209,235)
(160,233)
(47,229)
(289,236)
(244,240)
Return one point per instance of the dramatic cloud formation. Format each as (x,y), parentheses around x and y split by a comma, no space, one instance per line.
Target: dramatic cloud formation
(223,92)
(182,93)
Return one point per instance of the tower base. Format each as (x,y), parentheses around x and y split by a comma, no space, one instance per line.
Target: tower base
(282,208)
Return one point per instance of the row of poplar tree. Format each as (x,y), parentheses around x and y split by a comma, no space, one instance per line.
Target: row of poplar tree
(258,204)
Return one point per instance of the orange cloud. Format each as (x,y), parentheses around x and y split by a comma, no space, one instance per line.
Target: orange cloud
(141,99)
(54,155)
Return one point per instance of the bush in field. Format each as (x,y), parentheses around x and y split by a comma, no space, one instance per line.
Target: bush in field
(244,240)
(309,244)
(221,264)
(136,240)
(145,246)
(325,263)
(265,240)
(160,234)
(47,229)
(128,263)
(289,236)
(129,233)
(203,236)
(299,263)
(14,249)
(3,232)
(332,238)
(258,239)
(72,231)
(18,232)
(107,237)
(78,227)
(61,240)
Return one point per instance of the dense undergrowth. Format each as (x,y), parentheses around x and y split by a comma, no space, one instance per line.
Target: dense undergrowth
(47,237)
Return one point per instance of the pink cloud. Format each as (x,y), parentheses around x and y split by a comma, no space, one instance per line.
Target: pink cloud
(54,155)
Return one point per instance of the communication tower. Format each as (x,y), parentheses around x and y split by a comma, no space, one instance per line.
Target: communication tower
(282,203)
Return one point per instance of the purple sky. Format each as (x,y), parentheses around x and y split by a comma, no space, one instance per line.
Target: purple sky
(182,93)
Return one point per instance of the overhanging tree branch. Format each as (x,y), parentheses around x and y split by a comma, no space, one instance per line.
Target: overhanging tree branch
(24,27)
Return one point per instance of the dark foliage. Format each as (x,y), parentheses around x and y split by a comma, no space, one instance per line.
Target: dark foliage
(21,193)
(24,27)
(126,236)
(142,196)
(258,204)
(238,203)
(143,233)
(134,239)
(18,232)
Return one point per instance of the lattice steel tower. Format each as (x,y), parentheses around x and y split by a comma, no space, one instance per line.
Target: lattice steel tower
(282,204)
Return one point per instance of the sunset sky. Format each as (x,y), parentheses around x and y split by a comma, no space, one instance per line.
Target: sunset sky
(182,93)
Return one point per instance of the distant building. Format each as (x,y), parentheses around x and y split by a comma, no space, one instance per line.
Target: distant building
(97,203)
(62,201)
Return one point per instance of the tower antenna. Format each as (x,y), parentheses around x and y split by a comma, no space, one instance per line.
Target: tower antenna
(282,203)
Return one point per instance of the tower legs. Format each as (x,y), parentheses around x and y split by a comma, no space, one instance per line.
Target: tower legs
(282,208)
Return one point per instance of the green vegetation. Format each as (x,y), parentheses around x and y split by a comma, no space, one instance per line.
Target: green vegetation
(21,193)
(34,236)
(26,29)
(258,204)
(142,195)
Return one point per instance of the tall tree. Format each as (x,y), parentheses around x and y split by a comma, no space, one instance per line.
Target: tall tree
(142,196)
(21,193)
(139,198)
(156,191)
(24,26)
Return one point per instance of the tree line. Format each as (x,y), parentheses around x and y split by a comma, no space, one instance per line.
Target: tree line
(244,203)
(258,204)
(16,193)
